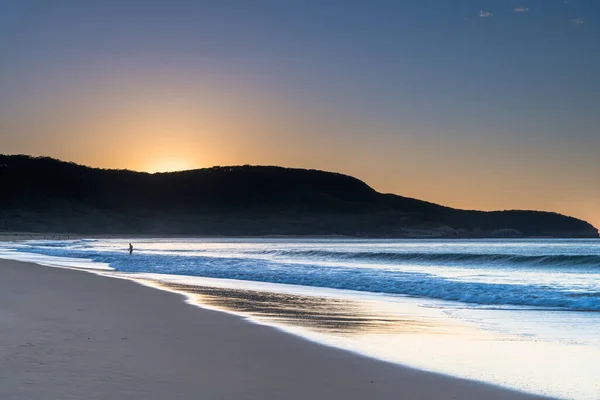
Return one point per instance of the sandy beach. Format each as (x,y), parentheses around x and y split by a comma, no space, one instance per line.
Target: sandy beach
(73,335)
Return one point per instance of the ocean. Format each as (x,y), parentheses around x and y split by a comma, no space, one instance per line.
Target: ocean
(518,313)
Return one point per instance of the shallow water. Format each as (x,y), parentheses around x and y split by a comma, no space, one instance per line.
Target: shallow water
(519,313)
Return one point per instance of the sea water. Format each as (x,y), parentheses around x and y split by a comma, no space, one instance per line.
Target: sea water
(518,313)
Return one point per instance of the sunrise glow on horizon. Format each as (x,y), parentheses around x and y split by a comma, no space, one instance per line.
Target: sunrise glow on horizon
(169,165)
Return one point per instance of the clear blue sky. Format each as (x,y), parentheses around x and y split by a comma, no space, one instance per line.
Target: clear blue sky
(472,103)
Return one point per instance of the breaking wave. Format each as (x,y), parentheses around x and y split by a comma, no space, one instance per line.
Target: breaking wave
(350,269)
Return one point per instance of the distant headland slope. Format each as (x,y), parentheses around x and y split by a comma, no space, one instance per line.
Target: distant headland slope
(40,194)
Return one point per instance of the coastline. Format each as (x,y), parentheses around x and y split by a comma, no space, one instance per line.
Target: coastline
(23,236)
(71,334)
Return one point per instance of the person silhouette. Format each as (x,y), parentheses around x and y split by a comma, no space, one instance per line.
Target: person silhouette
(130,248)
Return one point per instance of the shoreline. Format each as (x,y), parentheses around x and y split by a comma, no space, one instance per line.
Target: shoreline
(236,358)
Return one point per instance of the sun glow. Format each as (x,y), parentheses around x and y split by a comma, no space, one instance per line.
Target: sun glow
(169,165)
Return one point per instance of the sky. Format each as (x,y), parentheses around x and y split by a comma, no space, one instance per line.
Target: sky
(480,104)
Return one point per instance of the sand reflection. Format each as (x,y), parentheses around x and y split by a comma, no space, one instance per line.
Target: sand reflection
(339,316)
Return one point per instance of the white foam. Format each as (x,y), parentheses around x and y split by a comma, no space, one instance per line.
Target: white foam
(52,261)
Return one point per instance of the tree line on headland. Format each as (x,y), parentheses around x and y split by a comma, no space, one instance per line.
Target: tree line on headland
(41,194)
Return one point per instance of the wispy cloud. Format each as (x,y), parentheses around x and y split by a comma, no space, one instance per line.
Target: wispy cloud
(485,14)
(578,21)
(521,9)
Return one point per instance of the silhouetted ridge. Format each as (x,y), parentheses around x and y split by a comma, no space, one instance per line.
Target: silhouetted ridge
(44,194)
(250,187)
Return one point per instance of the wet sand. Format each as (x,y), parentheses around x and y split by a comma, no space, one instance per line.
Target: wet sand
(73,335)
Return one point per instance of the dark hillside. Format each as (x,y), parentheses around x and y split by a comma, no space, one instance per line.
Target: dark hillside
(43,195)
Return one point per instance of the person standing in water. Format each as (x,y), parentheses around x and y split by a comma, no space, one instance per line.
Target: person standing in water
(130,248)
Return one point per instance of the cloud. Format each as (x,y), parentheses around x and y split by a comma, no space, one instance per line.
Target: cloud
(521,9)
(578,21)
(485,14)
